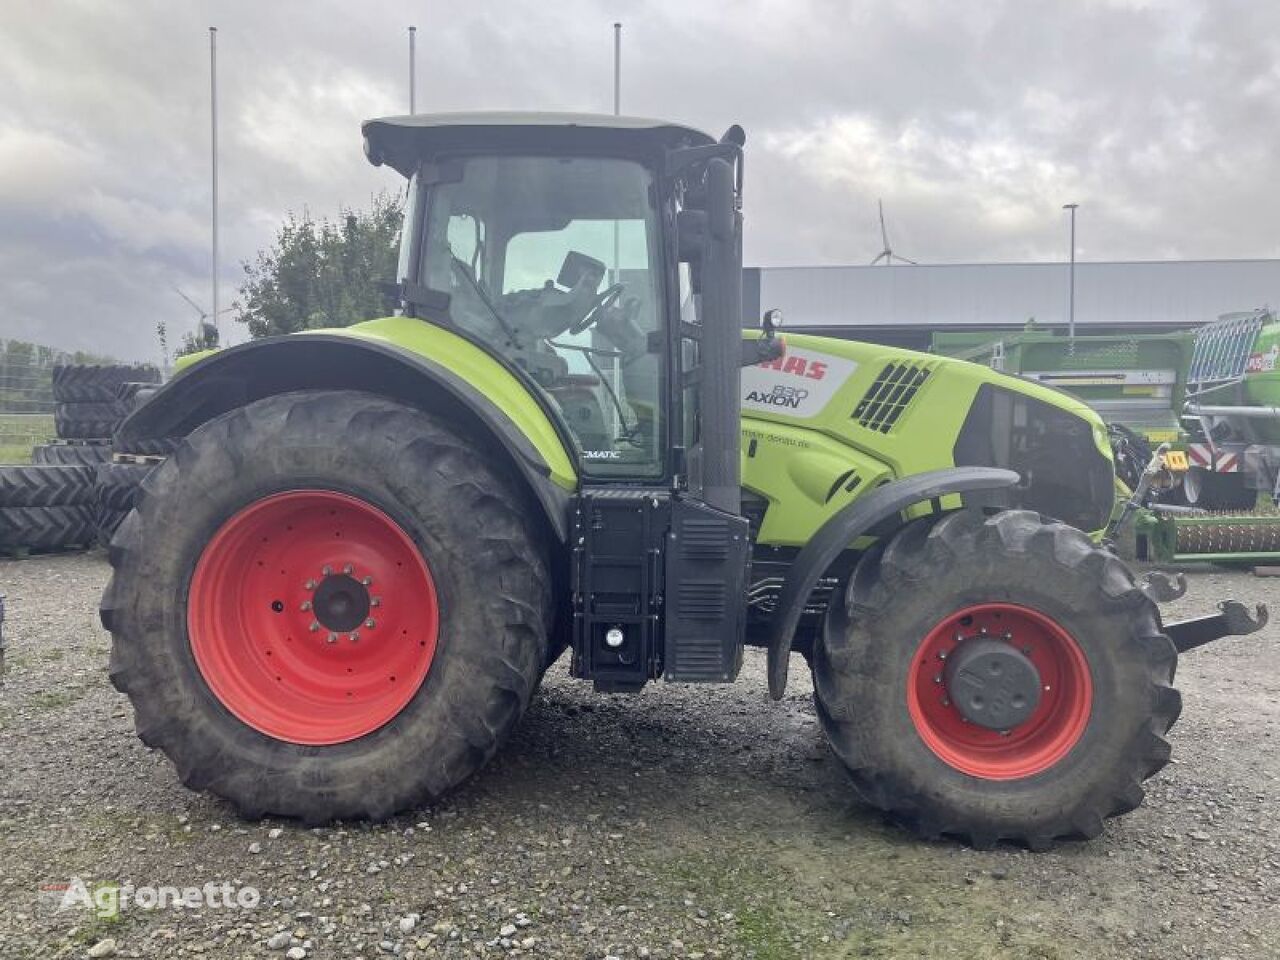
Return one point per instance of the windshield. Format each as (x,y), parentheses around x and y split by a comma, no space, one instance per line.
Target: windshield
(552,262)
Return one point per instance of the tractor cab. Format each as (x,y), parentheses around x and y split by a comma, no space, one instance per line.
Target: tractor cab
(548,239)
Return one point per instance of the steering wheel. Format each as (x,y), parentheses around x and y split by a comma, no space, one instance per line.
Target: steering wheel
(602,302)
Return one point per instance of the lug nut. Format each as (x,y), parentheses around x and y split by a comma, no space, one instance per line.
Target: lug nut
(315,625)
(347,569)
(311,584)
(370,623)
(937,678)
(306,605)
(331,638)
(355,636)
(375,602)
(942,654)
(326,570)
(367,581)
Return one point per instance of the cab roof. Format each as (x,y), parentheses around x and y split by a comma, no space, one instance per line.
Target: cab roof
(403,142)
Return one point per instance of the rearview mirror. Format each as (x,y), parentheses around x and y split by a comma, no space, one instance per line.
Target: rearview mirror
(762,349)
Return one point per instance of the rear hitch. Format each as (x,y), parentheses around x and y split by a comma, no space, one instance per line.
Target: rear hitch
(1233,619)
(1162,588)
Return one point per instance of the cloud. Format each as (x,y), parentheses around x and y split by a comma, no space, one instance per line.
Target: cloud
(974,123)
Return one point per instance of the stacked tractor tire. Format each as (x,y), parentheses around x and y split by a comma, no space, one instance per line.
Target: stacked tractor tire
(73,494)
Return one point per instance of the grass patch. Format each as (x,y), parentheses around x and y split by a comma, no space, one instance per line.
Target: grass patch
(762,934)
(57,699)
(767,923)
(19,433)
(99,928)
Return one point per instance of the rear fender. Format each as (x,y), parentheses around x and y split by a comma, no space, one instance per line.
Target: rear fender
(489,404)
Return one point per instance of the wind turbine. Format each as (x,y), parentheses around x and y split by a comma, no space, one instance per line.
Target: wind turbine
(203,314)
(887,254)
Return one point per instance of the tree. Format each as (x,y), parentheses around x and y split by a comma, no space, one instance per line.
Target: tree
(322,273)
(192,342)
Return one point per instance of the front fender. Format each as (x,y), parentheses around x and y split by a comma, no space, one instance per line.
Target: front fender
(835,536)
(428,368)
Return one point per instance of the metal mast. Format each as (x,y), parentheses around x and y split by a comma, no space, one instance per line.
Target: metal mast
(213,140)
(1071,282)
(413,81)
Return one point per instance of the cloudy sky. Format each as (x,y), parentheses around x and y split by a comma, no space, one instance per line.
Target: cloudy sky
(974,121)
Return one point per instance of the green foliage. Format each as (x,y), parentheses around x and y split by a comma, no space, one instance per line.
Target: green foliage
(26,374)
(206,339)
(323,273)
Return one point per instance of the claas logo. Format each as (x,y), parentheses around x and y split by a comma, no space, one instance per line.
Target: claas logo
(797,366)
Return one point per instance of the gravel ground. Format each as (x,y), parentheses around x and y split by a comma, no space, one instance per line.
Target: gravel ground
(682,822)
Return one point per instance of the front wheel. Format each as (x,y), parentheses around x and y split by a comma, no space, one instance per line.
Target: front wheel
(327,605)
(996,678)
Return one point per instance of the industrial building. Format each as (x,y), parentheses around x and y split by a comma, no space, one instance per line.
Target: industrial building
(903,303)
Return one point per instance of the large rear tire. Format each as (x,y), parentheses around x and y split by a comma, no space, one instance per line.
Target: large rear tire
(92,383)
(1101,697)
(232,597)
(75,454)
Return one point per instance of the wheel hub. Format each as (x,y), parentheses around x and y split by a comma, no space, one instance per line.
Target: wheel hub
(313,617)
(999,691)
(341,603)
(992,683)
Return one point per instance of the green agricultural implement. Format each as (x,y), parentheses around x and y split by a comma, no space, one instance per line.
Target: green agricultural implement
(1174,535)
(337,594)
(1135,382)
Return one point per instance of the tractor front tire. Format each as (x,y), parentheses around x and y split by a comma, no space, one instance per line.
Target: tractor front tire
(327,605)
(1014,588)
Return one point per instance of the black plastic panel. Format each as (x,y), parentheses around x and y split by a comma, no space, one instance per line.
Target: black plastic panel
(618,536)
(708,557)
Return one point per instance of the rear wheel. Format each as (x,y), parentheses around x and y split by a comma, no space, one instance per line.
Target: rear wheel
(996,679)
(1217,491)
(327,605)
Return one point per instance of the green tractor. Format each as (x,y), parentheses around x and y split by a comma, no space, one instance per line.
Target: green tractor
(340,590)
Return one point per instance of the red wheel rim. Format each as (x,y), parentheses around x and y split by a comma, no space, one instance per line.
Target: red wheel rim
(1053,727)
(269,594)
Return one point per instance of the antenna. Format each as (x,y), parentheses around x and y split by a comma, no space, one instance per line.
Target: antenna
(213,154)
(887,254)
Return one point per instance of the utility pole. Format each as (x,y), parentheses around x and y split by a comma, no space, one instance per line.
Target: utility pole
(1071,283)
(213,141)
(413,81)
(617,69)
